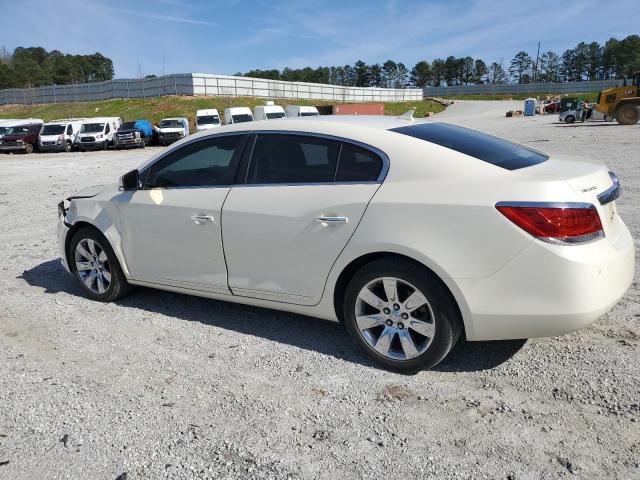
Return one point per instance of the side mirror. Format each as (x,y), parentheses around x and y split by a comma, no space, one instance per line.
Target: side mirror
(130,180)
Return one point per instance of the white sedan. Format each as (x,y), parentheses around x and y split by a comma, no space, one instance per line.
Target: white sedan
(409,233)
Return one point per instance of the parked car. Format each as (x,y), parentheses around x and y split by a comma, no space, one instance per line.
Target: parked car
(553,107)
(59,135)
(410,233)
(97,133)
(237,115)
(138,133)
(301,111)
(170,130)
(571,116)
(207,118)
(21,138)
(268,112)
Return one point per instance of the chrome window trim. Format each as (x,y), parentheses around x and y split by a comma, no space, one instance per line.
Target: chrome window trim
(381,177)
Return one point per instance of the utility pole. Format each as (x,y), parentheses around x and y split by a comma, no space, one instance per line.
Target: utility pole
(535,72)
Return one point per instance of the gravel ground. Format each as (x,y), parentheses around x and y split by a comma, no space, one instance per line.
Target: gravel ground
(161,385)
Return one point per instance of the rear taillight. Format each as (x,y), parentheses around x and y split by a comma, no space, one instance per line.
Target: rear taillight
(564,223)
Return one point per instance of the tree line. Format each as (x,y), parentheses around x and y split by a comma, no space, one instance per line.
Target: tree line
(35,67)
(587,61)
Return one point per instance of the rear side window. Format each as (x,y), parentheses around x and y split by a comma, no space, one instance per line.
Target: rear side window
(292,159)
(358,164)
(487,148)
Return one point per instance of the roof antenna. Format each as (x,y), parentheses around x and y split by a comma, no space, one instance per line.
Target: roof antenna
(408,115)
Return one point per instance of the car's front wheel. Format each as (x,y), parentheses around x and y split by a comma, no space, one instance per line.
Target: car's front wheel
(96,267)
(401,315)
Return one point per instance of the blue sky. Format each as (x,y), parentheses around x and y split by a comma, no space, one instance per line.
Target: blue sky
(226,36)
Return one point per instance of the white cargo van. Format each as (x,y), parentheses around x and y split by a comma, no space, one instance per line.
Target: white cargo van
(301,111)
(97,133)
(268,112)
(237,115)
(59,135)
(172,129)
(206,119)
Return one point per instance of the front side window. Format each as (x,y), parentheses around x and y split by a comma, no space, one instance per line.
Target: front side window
(69,129)
(210,162)
(358,164)
(292,159)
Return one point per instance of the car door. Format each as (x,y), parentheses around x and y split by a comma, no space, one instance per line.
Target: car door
(286,225)
(171,227)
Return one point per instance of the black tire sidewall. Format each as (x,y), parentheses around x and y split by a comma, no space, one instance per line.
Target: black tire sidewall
(447,317)
(118,282)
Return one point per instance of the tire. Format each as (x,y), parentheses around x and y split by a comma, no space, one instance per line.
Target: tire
(143,143)
(96,268)
(628,115)
(410,335)
(28,148)
(67,146)
(570,119)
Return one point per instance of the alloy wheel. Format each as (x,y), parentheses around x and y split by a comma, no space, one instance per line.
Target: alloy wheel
(394,318)
(92,265)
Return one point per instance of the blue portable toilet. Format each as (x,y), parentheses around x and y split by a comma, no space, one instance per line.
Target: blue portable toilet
(529,107)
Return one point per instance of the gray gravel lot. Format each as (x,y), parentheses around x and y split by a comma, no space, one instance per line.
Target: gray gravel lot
(161,385)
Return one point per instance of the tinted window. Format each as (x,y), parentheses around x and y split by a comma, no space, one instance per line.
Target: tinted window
(358,164)
(69,129)
(245,117)
(107,129)
(52,129)
(208,120)
(208,162)
(271,116)
(128,126)
(292,159)
(487,148)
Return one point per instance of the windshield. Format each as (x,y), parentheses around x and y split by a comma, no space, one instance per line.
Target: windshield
(53,129)
(208,120)
(3,130)
(23,130)
(275,115)
(241,118)
(128,126)
(171,124)
(92,127)
(487,148)
(309,114)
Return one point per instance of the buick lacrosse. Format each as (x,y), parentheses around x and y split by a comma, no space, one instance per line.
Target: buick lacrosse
(410,233)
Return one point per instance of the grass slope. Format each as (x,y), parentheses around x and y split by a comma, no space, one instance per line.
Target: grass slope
(589,96)
(155,109)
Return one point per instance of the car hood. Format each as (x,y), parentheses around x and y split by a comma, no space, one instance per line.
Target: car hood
(88,192)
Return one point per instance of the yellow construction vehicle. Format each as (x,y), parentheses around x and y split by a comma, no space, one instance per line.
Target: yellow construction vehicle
(622,103)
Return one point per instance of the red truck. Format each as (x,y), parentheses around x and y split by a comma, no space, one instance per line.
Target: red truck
(21,138)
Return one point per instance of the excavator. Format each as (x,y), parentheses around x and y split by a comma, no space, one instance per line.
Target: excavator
(621,103)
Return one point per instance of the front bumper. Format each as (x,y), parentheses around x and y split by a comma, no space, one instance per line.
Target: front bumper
(549,290)
(128,142)
(91,145)
(51,147)
(13,148)
(63,231)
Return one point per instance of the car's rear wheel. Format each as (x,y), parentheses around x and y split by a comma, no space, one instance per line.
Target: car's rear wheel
(401,315)
(96,267)
(570,119)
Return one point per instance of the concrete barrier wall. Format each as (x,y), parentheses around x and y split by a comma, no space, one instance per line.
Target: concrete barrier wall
(202,84)
(523,88)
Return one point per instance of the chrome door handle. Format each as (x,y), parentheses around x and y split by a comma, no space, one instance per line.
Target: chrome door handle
(202,218)
(331,220)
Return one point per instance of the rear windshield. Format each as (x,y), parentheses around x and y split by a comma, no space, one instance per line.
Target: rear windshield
(487,148)
(208,120)
(241,118)
(271,116)
(309,114)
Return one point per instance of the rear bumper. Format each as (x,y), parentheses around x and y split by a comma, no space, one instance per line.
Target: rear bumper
(549,290)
